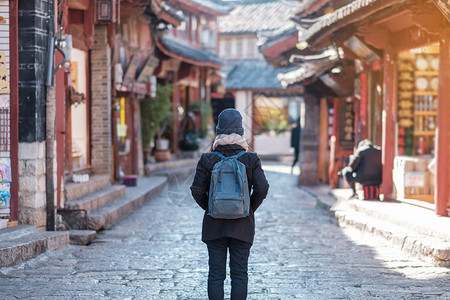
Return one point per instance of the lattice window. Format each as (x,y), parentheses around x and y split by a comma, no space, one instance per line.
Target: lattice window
(4,129)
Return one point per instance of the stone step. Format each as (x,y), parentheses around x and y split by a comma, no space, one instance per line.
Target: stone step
(97,199)
(82,237)
(8,234)
(171,164)
(425,247)
(174,172)
(406,216)
(16,250)
(78,190)
(110,214)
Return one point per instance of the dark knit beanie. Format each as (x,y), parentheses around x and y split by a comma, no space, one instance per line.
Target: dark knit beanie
(230,121)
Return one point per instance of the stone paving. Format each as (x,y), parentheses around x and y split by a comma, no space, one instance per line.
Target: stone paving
(156,253)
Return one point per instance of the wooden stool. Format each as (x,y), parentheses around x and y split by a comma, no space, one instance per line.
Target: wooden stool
(371,192)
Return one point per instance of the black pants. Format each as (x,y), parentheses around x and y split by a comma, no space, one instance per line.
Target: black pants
(347,173)
(239,253)
(296,154)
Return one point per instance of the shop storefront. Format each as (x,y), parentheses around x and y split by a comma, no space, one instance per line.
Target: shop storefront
(417,105)
(411,79)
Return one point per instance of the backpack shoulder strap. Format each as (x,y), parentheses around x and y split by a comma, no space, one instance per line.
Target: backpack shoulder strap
(239,155)
(220,155)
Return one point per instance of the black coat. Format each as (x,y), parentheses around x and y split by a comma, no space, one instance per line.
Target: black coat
(367,165)
(244,228)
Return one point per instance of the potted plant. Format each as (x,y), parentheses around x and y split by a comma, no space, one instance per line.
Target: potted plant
(156,116)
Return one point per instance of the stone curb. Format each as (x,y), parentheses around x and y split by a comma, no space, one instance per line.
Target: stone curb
(426,248)
(31,245)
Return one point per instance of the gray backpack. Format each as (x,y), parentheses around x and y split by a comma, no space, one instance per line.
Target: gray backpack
(228,193)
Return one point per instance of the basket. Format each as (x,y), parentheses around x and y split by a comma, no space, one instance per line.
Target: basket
(130,180)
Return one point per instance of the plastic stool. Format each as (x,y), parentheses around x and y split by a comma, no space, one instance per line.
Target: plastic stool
(371,192)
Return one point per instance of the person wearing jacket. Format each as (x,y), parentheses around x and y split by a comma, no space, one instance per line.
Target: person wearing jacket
(233,235)
(365,167)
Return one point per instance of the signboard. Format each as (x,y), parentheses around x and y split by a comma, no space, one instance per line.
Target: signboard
(444,7)
(414,179)
(347,126)
(5,195)
(4,80)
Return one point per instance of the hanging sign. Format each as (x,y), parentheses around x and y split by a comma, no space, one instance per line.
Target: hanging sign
(4,80)
(5,195)
(5,170)
(444,6)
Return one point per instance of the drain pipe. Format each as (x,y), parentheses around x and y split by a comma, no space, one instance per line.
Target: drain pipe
(50,134)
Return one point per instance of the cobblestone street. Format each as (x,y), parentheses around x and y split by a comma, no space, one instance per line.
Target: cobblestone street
(156,253)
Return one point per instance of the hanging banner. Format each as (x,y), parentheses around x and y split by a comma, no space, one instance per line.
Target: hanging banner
(444,6)
(4,80)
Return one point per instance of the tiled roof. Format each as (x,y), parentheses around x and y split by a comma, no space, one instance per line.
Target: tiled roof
(183,49)
(215,5)
(330,21)
(267,41)
(254,17)
(253,75)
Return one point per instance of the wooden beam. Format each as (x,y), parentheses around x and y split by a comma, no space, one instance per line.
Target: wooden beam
(79,4)
(89,26)
(375,36)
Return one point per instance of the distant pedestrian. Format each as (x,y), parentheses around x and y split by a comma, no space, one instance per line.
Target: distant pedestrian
(364,167)
(233,235)
(295,142)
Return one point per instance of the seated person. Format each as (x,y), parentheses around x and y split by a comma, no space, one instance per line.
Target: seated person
(364,167)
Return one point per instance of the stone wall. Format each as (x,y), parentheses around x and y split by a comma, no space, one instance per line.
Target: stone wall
(101,103)
(32,190)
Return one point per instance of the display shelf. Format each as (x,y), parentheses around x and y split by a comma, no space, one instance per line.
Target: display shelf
(426,73)
(425,93)
(425,113)
(424,133)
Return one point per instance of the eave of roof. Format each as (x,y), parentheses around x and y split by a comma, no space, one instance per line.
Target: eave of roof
(311,67)
(176,49)
(350,13)
(277,38)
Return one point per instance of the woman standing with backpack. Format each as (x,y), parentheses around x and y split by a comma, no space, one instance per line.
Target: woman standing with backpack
(229,234)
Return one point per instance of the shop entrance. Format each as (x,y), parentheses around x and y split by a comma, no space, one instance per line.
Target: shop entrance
(418,83)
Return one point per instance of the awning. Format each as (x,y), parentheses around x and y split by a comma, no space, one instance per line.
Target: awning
(184,52)
(350,13)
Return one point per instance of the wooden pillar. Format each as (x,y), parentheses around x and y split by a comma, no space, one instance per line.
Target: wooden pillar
(388,121)
(323,140)
(441,194)
(14,105)
(363,108)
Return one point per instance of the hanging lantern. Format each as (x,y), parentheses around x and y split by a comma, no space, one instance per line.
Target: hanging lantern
(106,11)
